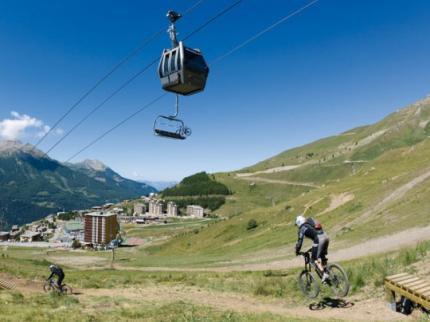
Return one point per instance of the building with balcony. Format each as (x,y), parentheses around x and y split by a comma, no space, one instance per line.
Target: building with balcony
(100,228)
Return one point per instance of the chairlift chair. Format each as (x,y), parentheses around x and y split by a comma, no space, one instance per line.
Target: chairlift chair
(170,126)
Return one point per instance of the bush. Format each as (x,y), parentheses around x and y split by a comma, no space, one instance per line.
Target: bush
(76,244)
(252,224)
(199,184)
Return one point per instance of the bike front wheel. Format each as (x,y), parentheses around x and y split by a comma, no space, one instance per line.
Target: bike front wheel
(308,284)
(338,280)
(47,287)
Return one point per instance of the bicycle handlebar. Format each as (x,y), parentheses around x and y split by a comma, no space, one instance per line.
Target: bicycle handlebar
(306,252)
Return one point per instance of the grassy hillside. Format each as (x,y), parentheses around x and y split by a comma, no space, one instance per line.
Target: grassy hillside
(369,181)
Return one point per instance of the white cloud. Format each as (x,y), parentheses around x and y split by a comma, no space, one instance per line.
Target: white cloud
(21,125)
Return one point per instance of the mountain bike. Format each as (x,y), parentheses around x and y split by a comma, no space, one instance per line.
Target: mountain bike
(51,286)
(338,279)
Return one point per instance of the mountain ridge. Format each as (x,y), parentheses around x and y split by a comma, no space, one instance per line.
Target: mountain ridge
(33,185)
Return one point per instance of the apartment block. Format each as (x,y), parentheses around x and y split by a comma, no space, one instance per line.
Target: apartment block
(195,211)
(100,228)
(172,209)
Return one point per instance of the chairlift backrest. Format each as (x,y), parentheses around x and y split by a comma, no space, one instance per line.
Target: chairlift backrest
(170,127)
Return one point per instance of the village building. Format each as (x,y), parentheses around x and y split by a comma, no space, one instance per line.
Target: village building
(100,228)
(4,235)
(117,210)
(172,209)
(139,209)
(195,211)
(30,236)
(155,207)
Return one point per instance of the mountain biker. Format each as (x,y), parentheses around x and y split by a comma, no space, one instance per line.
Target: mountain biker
(312,229)
(57,271)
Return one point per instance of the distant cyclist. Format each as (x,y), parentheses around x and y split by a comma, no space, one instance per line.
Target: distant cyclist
(57,271)
(311,229)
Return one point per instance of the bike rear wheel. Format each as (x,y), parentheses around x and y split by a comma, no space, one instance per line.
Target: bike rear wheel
(67,290)
(338,280)
(308,284)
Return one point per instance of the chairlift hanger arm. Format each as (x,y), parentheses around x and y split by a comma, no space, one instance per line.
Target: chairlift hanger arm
(176,107)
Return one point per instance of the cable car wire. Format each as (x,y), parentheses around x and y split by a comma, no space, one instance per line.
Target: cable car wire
(116,126)
(122,62)
(45,154)
(243,44)
(139,73)
(264,31)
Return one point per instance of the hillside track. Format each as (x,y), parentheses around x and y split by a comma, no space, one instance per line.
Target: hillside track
(354,310)
(393,196)
(291,183)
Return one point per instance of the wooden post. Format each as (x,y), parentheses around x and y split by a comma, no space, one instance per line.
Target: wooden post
(390,297)
(113,256)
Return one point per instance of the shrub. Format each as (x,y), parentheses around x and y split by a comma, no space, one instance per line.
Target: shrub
(252,224)
(76,244)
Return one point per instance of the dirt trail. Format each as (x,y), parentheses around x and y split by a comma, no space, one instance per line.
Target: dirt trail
(338,200)
(358,311)
(291,183)
(22,285)
(393,196)
(355,310)
(272,170)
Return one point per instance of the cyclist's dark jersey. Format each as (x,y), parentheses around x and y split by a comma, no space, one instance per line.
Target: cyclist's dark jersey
(57,271)
(306,230)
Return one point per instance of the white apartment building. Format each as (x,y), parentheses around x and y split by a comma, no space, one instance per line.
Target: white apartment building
(195,211)
(139,209)
(155,207)
(172,209)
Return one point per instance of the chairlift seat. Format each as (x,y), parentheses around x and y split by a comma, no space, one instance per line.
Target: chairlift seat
(170,127)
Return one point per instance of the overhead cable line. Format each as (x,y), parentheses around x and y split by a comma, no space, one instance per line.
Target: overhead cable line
(122,62)
(264,31)
(241,45)
(116,126)
(139,73)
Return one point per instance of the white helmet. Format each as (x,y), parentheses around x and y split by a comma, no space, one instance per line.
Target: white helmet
(300,220)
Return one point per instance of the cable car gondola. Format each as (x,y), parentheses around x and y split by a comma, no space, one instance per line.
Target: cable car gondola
(182,71)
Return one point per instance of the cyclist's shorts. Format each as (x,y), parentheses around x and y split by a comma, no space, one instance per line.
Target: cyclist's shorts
(322,245)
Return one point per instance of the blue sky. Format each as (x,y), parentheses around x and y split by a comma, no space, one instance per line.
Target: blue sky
(338,65)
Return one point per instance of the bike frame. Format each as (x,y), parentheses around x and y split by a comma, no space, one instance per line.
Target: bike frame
(54,284)
(309,264)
